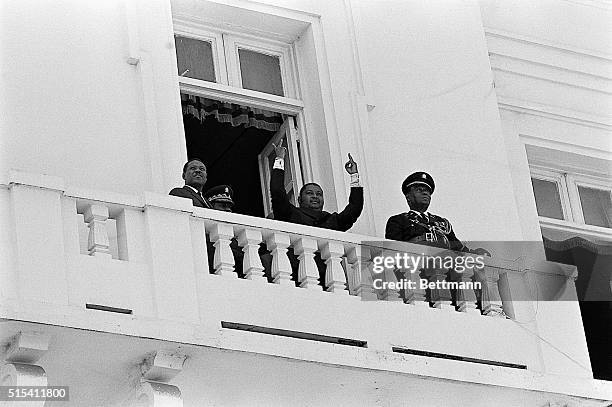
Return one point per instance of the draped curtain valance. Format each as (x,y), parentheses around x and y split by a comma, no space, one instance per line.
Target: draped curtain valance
(234,114)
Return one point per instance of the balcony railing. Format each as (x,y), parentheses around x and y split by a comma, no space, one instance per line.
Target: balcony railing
(104,232)
(147,256)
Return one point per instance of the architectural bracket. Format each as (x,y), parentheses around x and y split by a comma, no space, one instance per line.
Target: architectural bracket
(27,347)
(162,365)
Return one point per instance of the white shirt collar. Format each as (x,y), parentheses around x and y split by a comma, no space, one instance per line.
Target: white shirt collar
(425,214)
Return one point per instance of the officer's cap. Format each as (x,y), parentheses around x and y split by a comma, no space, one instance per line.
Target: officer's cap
(220,193)
(418,178)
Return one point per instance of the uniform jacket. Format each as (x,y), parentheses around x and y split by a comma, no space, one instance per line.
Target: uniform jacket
(416,228)
(284,210)
(186,192)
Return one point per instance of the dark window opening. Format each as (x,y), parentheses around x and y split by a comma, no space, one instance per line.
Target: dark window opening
(230,150)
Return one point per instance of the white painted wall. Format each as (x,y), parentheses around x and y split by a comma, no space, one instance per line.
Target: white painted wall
(552,66)
(71,104)
(427,72)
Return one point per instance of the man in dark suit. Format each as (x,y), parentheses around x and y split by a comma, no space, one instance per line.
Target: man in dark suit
(194,174)
(310,211)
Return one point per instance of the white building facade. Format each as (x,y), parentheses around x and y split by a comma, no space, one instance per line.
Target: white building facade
(105,283)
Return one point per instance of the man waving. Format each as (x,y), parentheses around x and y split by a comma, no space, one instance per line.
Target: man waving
(310,200)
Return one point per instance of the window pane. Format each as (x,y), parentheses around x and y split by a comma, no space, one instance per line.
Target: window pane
(195,58)
(260,72)
(596,206)
(547,198)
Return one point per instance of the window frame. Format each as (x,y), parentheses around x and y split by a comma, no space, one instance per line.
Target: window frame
(559,179)
(233,42)
(228,87)
(218,52)
(226,61)
(575,181)
(573,221)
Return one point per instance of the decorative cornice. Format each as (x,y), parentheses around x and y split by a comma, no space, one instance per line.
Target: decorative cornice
(600,4)
(550,73)
(548,44)
(570,148)
(553,112)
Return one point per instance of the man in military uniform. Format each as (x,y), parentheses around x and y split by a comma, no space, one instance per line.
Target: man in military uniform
(220,198)
(419,226)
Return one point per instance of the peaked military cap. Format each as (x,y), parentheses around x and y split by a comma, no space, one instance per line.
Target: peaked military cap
(220,193)
(418,177)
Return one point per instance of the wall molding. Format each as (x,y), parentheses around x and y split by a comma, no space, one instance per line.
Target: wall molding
(555,113)
(600,4)
(494,32)
(550,73)
(575,149)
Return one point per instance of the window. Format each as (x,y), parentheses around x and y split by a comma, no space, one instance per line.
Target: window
(576,198)
(239,95)
(596,206)
(195,58)
(243,62)
(547,197)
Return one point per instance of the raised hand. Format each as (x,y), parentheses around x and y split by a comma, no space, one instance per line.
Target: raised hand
(279,150)
(351,165)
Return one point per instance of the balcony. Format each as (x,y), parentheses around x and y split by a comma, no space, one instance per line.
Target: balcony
(137,266)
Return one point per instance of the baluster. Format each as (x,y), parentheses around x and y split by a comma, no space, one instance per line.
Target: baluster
(223,262)
(361,283)
(416,295)
(466,297)
(335,280)
(251,264)
(278,243)
(308,273)
(438,297)
(389,276)
(97,243)
(490,300)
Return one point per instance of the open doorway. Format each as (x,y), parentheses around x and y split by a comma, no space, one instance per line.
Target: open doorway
(235,143)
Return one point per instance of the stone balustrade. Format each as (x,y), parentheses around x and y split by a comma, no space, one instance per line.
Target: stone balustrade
(152,265)
(147,230)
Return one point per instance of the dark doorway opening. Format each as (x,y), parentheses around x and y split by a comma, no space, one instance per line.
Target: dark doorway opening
(231,157)
(594,263)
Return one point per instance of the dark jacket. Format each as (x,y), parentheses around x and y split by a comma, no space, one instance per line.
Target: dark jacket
(284,210)
(186,192)
(412,227)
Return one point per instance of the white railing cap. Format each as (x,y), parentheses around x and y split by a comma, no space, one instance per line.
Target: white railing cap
(114,198)
(17,177)
(168,202)
(150,199)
